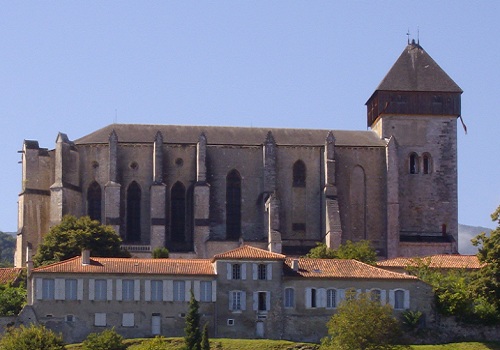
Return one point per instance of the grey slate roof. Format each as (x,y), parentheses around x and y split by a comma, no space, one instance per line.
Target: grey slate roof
(217,135)
(415,70)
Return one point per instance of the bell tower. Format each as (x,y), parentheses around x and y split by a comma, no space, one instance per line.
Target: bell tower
(415,108)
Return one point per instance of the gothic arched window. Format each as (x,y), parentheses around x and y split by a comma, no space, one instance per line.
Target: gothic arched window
(413,163)
(299,174)
(233,205)
(178,212)
(133,212)
(94,197)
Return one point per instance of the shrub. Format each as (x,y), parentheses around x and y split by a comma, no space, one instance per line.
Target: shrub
(157,343)
(160,253)
(106,340)
(32,337)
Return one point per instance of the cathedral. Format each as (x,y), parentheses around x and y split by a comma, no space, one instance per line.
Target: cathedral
(203,190)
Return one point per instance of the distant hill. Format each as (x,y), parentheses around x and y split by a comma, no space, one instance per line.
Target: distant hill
(465,234)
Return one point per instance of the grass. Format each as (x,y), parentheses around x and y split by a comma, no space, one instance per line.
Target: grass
(265,344)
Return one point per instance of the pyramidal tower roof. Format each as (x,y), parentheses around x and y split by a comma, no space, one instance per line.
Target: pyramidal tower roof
(415,70)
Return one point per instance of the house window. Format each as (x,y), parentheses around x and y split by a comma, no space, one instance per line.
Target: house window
(156,290)
(262,300)
(413,163)
(134,213)
(100,290)
(236,275)
(331,298)
(179,291)
(128,290)
(375,295)
(178,212)
(262,271)
(289,297)
(399,300)
(128,319)
(100,319)
(94,195)
(237,300)
(48,289)
(70,289)
(299,174)
(426,163)
(233,205)
(206,291)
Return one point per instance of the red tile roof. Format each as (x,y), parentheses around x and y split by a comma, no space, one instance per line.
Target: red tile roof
(132,266)
(443,261)
(9,274)
(340,268)
(247,252)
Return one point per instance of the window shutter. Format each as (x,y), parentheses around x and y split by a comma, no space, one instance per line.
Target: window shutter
(255,304)
(109,286)
(196,290)
(137,290)
(91,289)
(243,301)
(391,297)
(229,271)
(244,271)
(269,271)
(147,290)
(339,295)
(230,300)
(383,297)
(254,271)
(168,290)
(358,293)
(407,299)
(39,288)
(308,298)
(321,297)
(79,289)
(214,291)
(187,291)
(119,289)
(59,289)
(268,301)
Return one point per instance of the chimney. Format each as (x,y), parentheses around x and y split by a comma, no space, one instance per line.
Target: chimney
(85,257)
(295,265)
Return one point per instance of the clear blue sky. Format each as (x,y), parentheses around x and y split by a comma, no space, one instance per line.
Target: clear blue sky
(76,66)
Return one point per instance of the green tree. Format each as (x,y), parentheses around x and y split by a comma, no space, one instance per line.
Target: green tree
(192,337)
(7,248)
(106,340)
(12,299)
(487,283)
(361,251)
(31,337)
(205,341)
(67,240)
(160,253)
(362,324)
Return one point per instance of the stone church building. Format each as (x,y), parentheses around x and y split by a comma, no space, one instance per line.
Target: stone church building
(203,190)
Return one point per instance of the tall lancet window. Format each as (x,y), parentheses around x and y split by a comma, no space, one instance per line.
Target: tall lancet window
(178,212)
(94,197)
(133,213)
(299,174)
(233,205)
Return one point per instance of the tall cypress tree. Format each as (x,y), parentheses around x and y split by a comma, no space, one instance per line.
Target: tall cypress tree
(205,343)
(192,337)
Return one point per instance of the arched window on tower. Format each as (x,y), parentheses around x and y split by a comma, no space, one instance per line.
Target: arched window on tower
(299,174)
(94,198)
(233,205)
(426,163)
(133,213)
(413,163)
(178,212)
